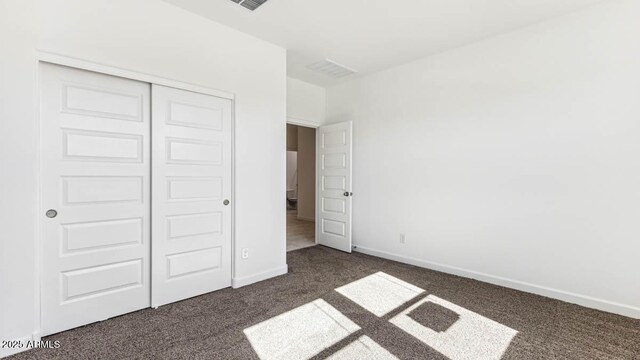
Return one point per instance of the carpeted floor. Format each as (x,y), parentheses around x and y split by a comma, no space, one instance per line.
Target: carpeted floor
(212,326)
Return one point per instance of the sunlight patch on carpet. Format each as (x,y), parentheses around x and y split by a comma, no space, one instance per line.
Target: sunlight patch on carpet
(447,328)
(363,348)
(379,293)
(472,336)
(300,333)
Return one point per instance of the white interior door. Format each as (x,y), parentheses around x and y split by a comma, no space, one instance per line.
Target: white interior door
(94,197)
(191,252)
(334,181)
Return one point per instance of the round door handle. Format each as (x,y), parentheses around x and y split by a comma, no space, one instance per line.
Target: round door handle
(51,213)
(225,202)
(346,193)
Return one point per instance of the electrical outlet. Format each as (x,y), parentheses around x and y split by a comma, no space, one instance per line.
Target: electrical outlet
(245,253)
(401,238)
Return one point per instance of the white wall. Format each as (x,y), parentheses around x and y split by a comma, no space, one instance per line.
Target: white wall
(515,160)
(156,38)
(306,173)
(292,176)
(305,103)
(292,137)
(306,106)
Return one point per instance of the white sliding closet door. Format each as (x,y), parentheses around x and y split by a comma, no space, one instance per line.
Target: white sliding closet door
(95,179)
(191,252)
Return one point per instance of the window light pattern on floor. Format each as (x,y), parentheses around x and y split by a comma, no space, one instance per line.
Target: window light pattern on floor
(452,330)
(472,336)
(379,293)
(300,333)
(363,348)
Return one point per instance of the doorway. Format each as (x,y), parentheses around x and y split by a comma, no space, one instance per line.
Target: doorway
(301,187)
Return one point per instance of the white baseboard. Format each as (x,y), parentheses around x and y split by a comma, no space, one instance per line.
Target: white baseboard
(4,352)
(248,280)
(303,218)
(587,301)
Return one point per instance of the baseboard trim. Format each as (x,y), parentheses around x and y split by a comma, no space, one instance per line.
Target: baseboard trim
(583,300)
(303,218)
(252,279)
(4,352)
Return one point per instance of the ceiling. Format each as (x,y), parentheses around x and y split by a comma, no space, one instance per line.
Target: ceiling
(372,35)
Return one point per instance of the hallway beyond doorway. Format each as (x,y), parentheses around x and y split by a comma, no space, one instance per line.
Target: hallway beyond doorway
(300,233)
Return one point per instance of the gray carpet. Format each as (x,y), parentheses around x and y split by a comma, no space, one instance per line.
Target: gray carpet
(211,326)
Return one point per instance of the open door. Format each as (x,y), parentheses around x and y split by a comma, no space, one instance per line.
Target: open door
(334,186)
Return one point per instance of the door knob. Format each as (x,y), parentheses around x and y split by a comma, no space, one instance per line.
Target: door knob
(346,193)
(51,213)
(225,202)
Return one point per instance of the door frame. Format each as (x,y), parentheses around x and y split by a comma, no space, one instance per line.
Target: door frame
(56,59)
(313,125)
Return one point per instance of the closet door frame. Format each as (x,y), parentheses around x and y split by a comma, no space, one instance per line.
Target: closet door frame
(45,57)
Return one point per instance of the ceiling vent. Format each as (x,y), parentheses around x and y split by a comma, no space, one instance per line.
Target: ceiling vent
(250,4)
(331,68)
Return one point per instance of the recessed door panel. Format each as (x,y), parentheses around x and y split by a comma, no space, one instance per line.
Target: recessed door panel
(101,279)
(100,146)
(193,152)
(334,228)
(198,116)
(104,102)
(194,224)
(94,190)
(334,161)
(334,183)
(95,197)
(97,235)
(338,206)
(191,188)
(198,261)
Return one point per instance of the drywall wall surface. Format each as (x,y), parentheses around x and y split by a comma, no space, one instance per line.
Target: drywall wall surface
(514,160)
(306,173)
(154,38)
(305,103)
(292,137)
(292,174)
